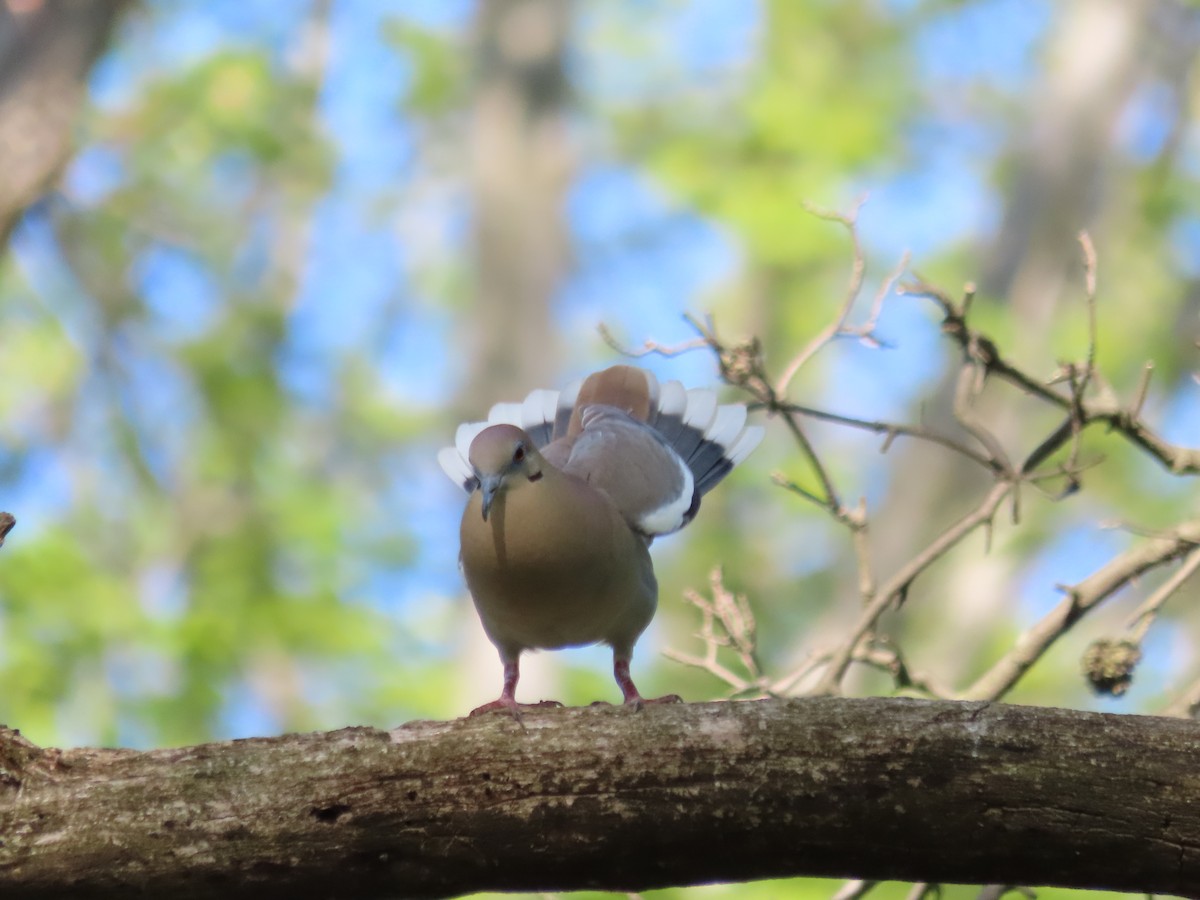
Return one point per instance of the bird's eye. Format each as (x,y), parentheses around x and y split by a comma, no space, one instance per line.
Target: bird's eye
(519,453)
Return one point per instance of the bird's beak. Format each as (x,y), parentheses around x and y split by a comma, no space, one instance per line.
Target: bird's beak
(488,486)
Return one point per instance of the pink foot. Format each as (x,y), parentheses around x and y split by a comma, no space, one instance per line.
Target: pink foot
(507,701)
(637,701)
(633,699)
(512,707)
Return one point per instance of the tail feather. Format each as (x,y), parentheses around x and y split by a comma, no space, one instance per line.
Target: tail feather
(710,438)
(745,443)
(728,424)
(566,407)
(537,415)
(505,414)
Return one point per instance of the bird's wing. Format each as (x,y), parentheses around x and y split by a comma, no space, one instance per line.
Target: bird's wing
(647,481)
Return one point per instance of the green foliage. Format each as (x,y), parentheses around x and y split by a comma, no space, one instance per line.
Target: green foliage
(438,69)
(197,568)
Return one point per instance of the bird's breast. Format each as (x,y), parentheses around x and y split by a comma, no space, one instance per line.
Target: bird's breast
(555,568)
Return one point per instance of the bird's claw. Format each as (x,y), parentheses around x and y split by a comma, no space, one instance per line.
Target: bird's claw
(637,701)
(512,707)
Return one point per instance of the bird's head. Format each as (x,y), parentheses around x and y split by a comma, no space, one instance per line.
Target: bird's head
(501,456)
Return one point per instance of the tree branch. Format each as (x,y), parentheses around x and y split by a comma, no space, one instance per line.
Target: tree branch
(604,798)
(1080,599)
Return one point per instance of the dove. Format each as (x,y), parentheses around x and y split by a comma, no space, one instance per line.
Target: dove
(567,491)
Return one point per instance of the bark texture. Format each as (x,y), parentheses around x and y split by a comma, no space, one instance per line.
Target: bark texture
(607,798)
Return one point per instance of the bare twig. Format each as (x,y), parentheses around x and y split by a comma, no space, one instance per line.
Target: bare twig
(881,654)
(787,484)
(867,329)
(1187,704)
(831,499)
(854,286)
(897,586)
(1079,600)
(649,346)
(893,430)
(737,632)
(1179,460)
(1079,391)
(784,686)
(1089,278)
(970,378)
(1141,620)
(1143,388)
(858,522)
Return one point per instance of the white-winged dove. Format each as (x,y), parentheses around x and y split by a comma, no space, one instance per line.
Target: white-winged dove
(567,492)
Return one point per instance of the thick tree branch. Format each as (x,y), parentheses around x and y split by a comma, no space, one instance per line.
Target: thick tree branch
(875,789)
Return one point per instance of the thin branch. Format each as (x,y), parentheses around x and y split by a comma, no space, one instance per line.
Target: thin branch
(1179,460)
(897,586)
(1143,388)
(1187,704)
(649,346)
(831,500)
(737,632)
(783,686)
(867,329)
(854,286)
(1089,278)
(787,484)
(893,430)
(967,387)
(858,270)
(1141,620)
(1079,600)
(886,657)
(858,522)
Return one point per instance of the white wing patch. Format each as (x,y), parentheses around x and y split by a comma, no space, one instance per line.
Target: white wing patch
(671,516)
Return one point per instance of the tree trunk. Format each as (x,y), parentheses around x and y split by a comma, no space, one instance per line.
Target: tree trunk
(45,57)
(608,798)
(521,167)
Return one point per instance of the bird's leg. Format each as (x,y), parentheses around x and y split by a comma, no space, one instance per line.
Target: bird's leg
(629,689)
(508,696)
